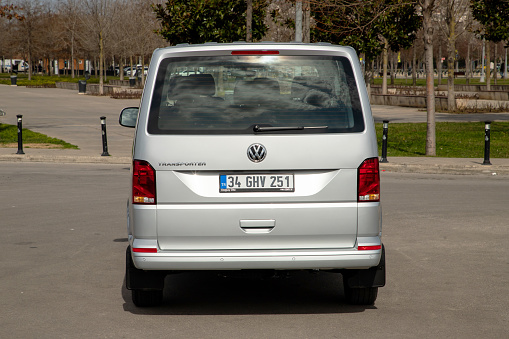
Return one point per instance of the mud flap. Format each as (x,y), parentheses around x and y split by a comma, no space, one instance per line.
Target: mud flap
(372,277)
(136,279)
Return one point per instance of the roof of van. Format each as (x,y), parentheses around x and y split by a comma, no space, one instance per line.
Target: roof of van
(256,45)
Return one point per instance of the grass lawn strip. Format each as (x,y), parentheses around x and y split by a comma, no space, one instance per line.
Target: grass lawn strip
(9,138)
(454,139)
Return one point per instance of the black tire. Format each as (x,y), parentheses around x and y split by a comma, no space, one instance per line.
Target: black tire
(147,298)
(361,296)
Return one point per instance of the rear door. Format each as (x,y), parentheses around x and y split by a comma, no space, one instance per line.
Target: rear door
(256,152)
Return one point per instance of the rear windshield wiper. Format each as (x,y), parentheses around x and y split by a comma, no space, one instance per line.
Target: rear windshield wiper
(258,128)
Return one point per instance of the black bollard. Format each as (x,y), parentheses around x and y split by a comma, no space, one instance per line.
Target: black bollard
(105,138)
(20,134)
(384,141)
(487,128)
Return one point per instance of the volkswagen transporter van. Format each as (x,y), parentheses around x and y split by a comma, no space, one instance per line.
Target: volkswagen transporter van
(254,156)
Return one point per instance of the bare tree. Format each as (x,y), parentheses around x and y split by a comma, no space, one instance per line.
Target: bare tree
(28,30)
(70,18)
(145,40)
(49,36)
(98,18)
(467,43)
(456,17)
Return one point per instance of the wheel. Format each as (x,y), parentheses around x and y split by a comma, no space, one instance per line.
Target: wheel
(147,298)
(361,296)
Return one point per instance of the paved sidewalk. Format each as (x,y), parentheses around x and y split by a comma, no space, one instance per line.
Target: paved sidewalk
(398,114)
(75,118)
(432,165)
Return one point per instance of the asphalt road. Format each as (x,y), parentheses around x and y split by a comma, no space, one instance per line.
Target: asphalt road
(66,115)
(63,241)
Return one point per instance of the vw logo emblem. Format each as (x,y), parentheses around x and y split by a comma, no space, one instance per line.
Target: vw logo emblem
(256,152)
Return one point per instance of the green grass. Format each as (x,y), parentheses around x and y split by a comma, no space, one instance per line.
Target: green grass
(454,139)
(9,137)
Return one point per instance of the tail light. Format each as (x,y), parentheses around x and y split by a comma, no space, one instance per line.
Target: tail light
(369,181)
(370,248)
(144,183)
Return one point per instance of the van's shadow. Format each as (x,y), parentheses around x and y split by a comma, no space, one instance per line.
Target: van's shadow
(207,293)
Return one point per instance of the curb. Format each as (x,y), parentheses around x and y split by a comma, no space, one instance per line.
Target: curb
(445,169)
(66,159)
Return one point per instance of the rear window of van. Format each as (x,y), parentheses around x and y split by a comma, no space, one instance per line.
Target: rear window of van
(246,94)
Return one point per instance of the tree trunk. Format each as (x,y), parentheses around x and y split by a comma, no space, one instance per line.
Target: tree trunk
(368,75)
(121,69)
(495,63)
(393,67)
(29,58)
(298,21)
(488,67)
(101,63)
(364,66)
(451,101)
(427,11)
(72,55)
(142,70)
(105,70)
(249,21)
(439,61)
(306,22)
(451,52)
(414,66)
(385,61)
(372,73)
(132,68)
(468,65)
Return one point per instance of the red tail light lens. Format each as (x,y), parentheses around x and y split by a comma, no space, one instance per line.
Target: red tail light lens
(369,248)
(144,183)
(369,181)
(145,250)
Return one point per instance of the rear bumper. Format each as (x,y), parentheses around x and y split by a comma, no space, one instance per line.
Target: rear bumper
(236,260)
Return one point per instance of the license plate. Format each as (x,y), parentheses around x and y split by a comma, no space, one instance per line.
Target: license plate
(231,183)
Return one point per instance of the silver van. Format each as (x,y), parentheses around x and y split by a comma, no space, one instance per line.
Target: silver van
(254,156)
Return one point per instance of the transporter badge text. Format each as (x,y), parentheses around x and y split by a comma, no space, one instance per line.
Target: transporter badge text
(178,164)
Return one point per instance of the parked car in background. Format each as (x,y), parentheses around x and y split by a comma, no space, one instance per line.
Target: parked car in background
(136,71)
